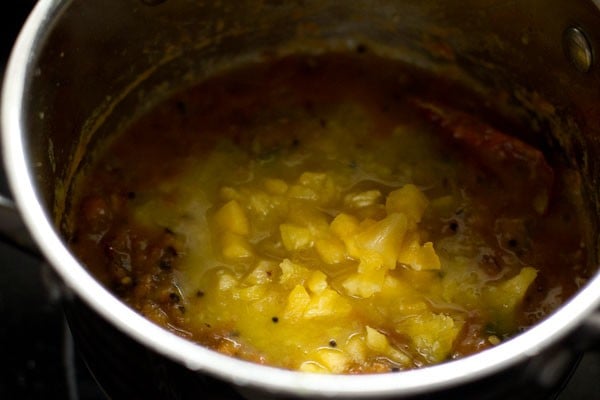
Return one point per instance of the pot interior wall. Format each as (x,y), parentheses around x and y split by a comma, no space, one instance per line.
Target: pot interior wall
(102,62)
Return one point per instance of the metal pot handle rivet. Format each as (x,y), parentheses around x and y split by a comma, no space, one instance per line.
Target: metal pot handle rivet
(578,49)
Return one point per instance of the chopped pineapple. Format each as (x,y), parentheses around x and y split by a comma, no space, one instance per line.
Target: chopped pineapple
(262,273)
(226,281)
(310,274)
(318,231)
(297,302)
(228,193)
(320,183)
(276,186)
(408,200)
(378,342)
(419,257)
(363,285)
(503,299)
(331,250)
(344,225)
(260,202)
(384,237)
(461,283)
(317,282)
(235,246)
(303,192)
(327,303)
(432,334)
(335,361)
(231,217)
(292,273)
(296,237)
(356,348)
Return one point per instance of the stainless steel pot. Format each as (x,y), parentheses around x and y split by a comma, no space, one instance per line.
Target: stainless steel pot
(79,69)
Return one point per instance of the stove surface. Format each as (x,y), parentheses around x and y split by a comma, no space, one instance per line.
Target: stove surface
(37,356)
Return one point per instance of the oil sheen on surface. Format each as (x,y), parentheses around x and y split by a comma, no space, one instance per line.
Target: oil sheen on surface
(329,214)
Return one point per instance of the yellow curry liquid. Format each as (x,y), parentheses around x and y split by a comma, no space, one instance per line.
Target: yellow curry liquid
(327,214)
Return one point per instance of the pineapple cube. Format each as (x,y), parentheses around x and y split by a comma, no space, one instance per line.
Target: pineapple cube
(276,186)
(428,258)
(261,274)
(226,281)
(313,179)
(511,292)
(379,343)
(365,285)
(419,257)
(260,203)
(370,262)
(317,282)
(461,284)
(292,274)
(344,225)
(334,360)
(327,303)
(356,348)
(302,214)
(385,238)
(302,192)
(295,237)
(408,200)
(228,193)
(297,301)
(231,217)
(321,184)
(331,250)
(376,340)
(504,298)
(235,246)
(432,334)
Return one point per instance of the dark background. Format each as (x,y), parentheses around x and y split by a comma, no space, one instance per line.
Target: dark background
(37,358)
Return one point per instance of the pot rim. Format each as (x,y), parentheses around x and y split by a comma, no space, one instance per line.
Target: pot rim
(195,357)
